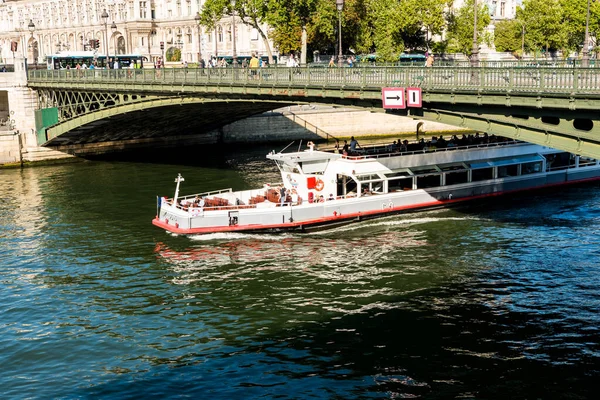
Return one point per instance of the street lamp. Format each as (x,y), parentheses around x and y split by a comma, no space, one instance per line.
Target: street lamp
(340,7)
(31,27)
(113,28)
(104,17)
(586,41)
(197,18)
(234,61)
(475,51)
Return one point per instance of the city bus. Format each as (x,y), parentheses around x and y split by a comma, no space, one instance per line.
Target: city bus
(66,60)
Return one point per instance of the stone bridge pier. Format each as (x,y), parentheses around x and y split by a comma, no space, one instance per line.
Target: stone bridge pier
(18,141)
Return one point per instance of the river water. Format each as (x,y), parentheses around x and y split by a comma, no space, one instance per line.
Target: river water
(498,300)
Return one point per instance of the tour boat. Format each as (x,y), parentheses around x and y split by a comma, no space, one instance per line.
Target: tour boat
(321,189)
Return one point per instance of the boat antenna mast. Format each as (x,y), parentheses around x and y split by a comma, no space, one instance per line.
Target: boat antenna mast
(178,180)
(281,151)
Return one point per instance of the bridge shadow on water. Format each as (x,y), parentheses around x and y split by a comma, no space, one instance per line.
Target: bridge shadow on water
(205,155)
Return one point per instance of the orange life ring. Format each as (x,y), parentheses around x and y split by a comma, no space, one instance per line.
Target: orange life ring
(319,185)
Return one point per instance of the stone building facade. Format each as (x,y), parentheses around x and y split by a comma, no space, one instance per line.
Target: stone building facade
(141,26)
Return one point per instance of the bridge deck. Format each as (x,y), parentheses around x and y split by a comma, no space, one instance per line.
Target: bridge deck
(530,80)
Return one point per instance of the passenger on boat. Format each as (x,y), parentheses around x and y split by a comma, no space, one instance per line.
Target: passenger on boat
(311,146)
(404,146)
(321,199)
(353,144)
(345,148)
(294,197)
(331,197)
(282,195)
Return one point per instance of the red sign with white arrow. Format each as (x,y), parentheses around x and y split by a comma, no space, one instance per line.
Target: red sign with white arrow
(393,97)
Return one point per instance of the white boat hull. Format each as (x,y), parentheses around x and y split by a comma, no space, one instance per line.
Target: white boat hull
(275,218)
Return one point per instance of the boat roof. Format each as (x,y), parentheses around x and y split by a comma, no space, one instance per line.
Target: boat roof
(360,167)
(302,156)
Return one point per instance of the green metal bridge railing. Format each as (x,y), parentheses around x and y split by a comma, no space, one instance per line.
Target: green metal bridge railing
(561,81)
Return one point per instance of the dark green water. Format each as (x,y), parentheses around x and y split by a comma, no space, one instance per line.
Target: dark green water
(499,301)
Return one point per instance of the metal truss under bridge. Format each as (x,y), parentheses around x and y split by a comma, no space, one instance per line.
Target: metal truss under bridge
(552,106)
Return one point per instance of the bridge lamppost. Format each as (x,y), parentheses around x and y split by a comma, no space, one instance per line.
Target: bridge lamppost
(234,54)
(31,27)
(197,19)
(585,60)
(340,7)
(104,17)
(522,39)
(113,28)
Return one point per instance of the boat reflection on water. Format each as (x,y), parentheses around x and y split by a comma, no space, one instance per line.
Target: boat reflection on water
(336,255)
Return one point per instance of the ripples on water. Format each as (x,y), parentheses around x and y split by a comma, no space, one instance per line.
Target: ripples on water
(495,301)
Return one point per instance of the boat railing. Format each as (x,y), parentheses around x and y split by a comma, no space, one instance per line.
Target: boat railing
(386,153)
(186,198)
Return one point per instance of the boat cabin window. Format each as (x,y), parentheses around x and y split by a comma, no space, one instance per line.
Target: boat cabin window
(457,177)
(508,170)
(399,184)
(428,181)
(372,187)
(287,167)
(531,168)
(558,160)
(314,167)
(482,174)
(586,161)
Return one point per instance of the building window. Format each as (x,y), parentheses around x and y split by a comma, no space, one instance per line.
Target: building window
(502,8)
(220,34)
(142,9)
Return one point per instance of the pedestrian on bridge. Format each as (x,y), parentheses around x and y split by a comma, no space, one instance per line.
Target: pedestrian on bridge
(429,60)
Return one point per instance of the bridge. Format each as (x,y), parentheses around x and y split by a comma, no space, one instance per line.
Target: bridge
(552,106)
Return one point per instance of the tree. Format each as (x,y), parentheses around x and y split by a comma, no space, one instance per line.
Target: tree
(290,20)
(574,18)
(543,24)
(424,18)
(253,13)
(212,12)
(507,36)
(173,54)
(460,26)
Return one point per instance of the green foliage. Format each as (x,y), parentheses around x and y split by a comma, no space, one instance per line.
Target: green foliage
(543,25)
(574,18)
(173,54)
(460,26)
(388,27)
(507,36)
(254,13)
